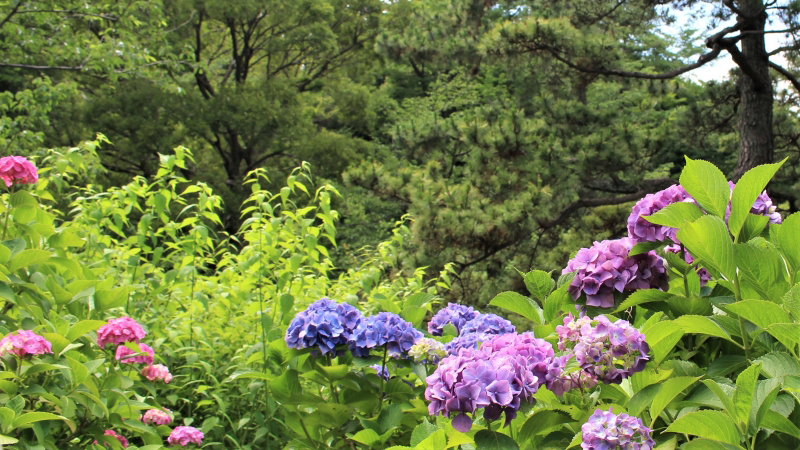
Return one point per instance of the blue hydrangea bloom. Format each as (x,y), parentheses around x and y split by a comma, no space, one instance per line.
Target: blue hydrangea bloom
(454,313)
(323,325)
(488,324)
(470,341)
(384,329)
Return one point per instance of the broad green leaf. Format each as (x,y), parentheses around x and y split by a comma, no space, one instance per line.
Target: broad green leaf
(7,440)
(644,247)
(705,444)
(778,364)
(642,296)
(707,239)
(542,422)
(492,440)
(787,334)
(724,397)
(32,417)
(707,185)
(745,389)
(766,403)
(762,269)
(436,441)
(111,298)
(669,391)
(555,301)
(701,325)
(390,417)
(791,301)
(642,399)
(26,258)
(713,425)
(367,437)
(777,422)
(286,385)
(422,431)
(414,314)
(251,374)
(726,364)
(747,189)
(539,284)
(753,226)
(662,338)
(761,312)
(83,327)
(693,306)
(675,214)
(517,303)
(785,237)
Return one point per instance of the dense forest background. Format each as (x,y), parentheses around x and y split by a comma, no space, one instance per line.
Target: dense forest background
(511,133)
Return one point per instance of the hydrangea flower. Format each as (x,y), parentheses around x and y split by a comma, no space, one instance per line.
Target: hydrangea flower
(118,331)
(705,277)
(608,351)
(454,313)
(562,381)
(605,267)
(146,356)
(323,325)
(24,342)
(469,341)
(184,435)
(16,170)
(605,431)
(122,440)
(496,377)
(763,206)
(640,229)
(157,372)
(382,372)
(383,329)
(157,417)
(487,324)
(427,350)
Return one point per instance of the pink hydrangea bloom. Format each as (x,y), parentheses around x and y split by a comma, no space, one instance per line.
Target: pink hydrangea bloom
(24,342)
(184,435)
(117,331)
(17,169)
(121,439)
(157,417)
(146,356)
(157,372)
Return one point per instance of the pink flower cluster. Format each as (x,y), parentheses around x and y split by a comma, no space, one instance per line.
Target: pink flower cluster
(122,440)
(157,417)
(183,436)
(24,342)
(157,372)
(146,355)
(119,331)
(17,170)
(605,267)
(123,330)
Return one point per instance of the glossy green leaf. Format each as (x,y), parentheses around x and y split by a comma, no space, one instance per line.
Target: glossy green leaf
(707,185)
(723,396)
(493,440)
(539,284)
(701,325)
(675,214)
(670,389)
(745,390)
(662,338)
(542,422)
(517,303)
(785,238)
(747,189)
(27,258)
(713,425)
(761,312)
(707,238)
(643,296)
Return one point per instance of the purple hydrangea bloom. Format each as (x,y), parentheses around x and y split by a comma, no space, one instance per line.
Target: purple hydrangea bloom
(497,377)
(454,313)
(606,431)
(487,324)
(469,341)
(384,329)
(323,325)
(605,267)
(608,351)
(561,381)
(382,371)
(763,206)
(640,229)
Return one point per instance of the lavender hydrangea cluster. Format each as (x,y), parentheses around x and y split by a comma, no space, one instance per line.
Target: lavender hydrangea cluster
(467,341)
(640,229)
(383,329)
(564,381)
(497,377)
(454,313)
(605,267)
(605,430)
(428,351)
(324,325)
(608,351)
(487,324)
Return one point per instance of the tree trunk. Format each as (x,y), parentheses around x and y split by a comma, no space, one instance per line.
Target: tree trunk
(755,110)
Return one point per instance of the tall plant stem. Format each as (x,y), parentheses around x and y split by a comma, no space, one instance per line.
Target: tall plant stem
(383,371)
(5,219)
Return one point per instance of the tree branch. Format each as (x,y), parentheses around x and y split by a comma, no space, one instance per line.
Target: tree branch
(35,67)
(11,14)
(786,74)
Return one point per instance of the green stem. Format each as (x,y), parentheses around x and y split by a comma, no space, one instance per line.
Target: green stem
(380,375)
(738,293)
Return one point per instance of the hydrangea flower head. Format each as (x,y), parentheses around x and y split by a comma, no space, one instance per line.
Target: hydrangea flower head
(487,324)
(183,436)
(24,342)
(324,325)
(454,313)
(145,356)
(605,431)
(427,350)
(640,229)
(562,381)
(467,341)
(605,267)
(763,206)
(118,331)
(157,372)
(157,417)
(122,440)
(17,170)
(384,329)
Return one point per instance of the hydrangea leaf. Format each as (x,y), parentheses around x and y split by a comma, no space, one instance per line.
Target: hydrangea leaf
(777,422)
(787,334)
(675,214)
(761,312)
(693,324)
(367,437)
(518,303)
(779,364)
(745,390)
(785,238)
(713,425)
(493,440)
(642,398)
(762,269)
(662,338)
(539,284)
(707,185)
(643,296)
(746,191)
(791,302)
(723,395)
(753,226)
(644,247)
(670,389)
(707,238)
(542,422)
(707,444)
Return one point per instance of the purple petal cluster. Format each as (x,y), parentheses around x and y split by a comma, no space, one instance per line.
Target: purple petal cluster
(640,229)
(454,313)
(427,350)
(487,324)
(468,341)
(323,325)
(562,381)
(605,431)
(605,267)
(184,436)
(608,351)
(383,329)
(763,206)
(497,377)
(24,342)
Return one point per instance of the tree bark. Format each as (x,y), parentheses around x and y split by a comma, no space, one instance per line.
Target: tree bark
(755,91)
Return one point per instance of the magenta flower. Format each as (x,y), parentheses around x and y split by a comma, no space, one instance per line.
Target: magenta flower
(16,170)
(640,229)
(157,417)
(122,441)
(157,372)
(24,342)
(184,435)
(118,331)
(606,431)
(145,356)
